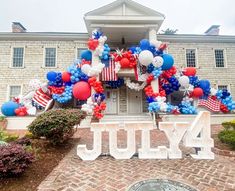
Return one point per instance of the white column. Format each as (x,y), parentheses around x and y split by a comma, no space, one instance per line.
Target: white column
(153,37)
(152,34)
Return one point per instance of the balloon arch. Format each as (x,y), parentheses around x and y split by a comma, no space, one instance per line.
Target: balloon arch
(81,81)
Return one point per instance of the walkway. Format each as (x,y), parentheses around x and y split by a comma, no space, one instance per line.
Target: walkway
(108,174)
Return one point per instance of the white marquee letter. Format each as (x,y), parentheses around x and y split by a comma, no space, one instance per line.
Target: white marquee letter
(199,135)
(86,154)
(126,153)
(174,133)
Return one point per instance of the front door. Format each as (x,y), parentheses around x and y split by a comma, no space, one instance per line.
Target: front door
(134,102)
(111,101)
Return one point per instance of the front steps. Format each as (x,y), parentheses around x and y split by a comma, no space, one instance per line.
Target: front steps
(126,118)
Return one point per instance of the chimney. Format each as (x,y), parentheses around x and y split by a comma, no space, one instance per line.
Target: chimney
(18,28)
(213,30)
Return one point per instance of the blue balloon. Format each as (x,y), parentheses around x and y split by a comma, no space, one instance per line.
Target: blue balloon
(144,44)
(204,84)
(86,54)
(8,108)
(132,49)
(168,61)
(51,76)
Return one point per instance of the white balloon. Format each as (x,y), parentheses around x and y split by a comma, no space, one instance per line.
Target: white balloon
(213,91)
(155,43)
(158,61)
(86,68)
(163,107)
(184,81)
(146,57)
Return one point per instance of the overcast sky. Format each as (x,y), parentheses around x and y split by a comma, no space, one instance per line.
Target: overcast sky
(188,16)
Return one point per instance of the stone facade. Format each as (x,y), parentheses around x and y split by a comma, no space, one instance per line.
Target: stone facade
(205,59)
(33,62)
(67,51)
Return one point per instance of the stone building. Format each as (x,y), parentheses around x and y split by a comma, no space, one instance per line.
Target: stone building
(29,55)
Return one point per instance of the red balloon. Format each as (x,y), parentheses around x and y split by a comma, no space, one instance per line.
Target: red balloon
(190,71)
(92,44)
(125,63)
(22,114)
(17,111)
(197,92)
(66,76)
(82,90)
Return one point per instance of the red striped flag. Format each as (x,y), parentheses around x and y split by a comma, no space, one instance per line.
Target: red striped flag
(41,98)
(108,73)
(211,103)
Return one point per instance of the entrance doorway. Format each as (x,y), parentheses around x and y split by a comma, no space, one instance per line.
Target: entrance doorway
(134,102)
(111,101)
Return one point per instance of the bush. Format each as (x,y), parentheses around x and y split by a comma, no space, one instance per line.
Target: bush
(14,160)
(2,118)
(6,137)
(56,125)
(229,125)
(24,141)
(228,137)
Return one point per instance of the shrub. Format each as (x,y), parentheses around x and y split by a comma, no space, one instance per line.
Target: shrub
(6,137)
(13,160)
(228,137)
(229,125)
(24,141)
(56,125)
(2,118)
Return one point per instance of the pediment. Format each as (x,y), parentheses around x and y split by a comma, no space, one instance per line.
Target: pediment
(125,8)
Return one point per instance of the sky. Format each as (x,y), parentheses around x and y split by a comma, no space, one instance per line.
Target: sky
(188,16)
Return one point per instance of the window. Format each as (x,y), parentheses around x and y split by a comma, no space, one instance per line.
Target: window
(14,91)
(18,57)
(79,51)
(222,87)
(191,57)
(50,57)
(219,58)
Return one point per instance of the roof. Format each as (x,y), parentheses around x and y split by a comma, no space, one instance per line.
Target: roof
(128,2)
(193,38)
(63,36)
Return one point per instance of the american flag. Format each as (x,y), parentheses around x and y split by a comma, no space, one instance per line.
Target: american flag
(108,73)
(41,97)
(211,103)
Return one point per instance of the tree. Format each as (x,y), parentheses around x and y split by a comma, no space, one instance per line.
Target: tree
(169,31)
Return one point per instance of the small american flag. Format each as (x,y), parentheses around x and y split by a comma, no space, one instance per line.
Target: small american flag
(211,103)
(41,98)
(108,73)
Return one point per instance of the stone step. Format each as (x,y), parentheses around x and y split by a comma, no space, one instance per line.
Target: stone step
(117,118)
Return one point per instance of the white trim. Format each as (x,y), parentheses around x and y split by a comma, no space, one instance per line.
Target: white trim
(196,56)
(12,54)
(8,90)
(225,57)
(76,51)
(44,56)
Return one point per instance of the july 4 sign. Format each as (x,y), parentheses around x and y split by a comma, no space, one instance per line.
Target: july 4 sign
(175,132)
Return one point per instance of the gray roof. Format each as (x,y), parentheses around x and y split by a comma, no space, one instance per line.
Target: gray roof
(66,36)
